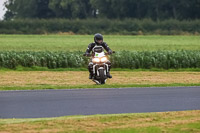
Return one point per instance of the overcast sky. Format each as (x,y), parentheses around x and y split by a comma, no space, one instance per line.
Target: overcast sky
(2,12)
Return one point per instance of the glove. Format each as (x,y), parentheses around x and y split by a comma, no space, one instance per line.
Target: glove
(110,52)
(87,54)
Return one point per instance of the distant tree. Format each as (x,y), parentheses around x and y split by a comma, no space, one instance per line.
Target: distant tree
(42,10)
(28,9)
(190,9)
(102,8)
(9,13)
(71,8)
(21,8)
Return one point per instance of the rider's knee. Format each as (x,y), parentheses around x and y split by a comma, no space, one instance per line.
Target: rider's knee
(109,63)
(90,65)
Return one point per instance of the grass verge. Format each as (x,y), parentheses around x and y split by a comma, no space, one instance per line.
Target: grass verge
(45,87)
(36,80)
(178,122)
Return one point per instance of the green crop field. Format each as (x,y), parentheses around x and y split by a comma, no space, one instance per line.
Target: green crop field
(80,42)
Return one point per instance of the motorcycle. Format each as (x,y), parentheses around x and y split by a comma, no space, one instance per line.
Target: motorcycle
(100,66)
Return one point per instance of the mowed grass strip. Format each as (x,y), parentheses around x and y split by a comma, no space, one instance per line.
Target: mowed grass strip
(79,79)
(80,42)
(178,122)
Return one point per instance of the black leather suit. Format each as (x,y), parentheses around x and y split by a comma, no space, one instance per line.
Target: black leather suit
(89,49)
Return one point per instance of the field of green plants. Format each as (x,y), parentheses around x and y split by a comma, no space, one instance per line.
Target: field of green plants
(66,51)
(122,59)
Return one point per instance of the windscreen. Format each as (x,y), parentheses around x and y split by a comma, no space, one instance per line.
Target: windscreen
(98,49)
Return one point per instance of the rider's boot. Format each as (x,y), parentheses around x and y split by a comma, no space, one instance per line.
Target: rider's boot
(108,75)
(90,75)
(90,70)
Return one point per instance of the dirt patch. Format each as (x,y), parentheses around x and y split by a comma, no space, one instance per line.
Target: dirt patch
(43,78)
(70,78)
(155,77)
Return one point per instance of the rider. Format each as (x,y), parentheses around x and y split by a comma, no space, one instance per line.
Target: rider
(98,41)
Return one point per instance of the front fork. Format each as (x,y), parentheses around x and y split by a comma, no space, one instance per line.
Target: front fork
(105,72)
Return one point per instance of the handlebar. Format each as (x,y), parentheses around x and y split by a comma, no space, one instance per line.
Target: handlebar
(93,55)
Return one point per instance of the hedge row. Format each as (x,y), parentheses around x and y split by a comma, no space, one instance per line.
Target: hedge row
(122,59)
(104,26)
(13,59)
(157,59)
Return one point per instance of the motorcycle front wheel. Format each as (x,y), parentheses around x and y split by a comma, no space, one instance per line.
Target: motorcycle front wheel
(102,77)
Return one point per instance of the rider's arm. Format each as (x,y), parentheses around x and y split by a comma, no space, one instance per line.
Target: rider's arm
(106,47)
(89,49)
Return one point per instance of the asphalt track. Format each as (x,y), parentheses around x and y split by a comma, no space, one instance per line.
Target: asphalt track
(54,103)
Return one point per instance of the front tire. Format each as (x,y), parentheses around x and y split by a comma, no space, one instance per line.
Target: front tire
(102,77)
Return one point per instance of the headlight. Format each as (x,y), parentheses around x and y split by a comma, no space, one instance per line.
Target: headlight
(96,60)
(104,59)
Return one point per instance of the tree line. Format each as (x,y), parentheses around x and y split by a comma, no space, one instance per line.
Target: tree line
(112,9)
